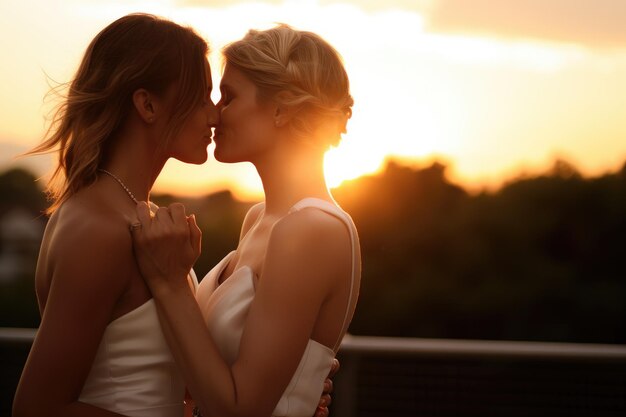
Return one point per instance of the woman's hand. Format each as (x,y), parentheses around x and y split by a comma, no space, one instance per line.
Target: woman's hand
(325,399)
(166,245)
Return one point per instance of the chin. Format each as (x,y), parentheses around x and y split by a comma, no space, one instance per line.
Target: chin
(220,157)
(226,160)
(225,156)
(195,160)
(199,162)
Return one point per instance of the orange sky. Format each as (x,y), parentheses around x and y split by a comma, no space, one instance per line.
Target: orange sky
(492,88)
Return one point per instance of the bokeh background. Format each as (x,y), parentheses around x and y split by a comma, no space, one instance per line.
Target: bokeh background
(484,165)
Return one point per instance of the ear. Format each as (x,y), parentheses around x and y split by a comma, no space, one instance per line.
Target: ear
(281,116)
(144,104)
(283,112)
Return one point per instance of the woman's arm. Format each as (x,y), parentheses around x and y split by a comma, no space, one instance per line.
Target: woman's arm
(85,286)
(252,216)
(298,274)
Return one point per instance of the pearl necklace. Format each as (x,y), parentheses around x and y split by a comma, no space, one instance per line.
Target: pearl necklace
(130,194)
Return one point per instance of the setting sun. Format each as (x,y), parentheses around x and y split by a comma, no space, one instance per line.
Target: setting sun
(429,83)
(466,234)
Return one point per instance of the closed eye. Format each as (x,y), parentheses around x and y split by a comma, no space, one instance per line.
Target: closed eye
(227,96)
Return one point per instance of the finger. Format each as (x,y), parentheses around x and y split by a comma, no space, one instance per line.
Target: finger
(195,234)
(163,216)
(328,386)
(143,214)
(325,400)
(321,412)
(177,212)
(134,227)
(334,367)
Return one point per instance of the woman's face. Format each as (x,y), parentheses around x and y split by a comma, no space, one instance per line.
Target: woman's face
(190,145)
(246,125)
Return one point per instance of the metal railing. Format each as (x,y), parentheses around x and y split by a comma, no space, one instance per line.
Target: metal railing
(383,376)
(429,377)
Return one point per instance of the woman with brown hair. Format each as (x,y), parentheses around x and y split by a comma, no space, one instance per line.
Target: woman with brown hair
(139,97)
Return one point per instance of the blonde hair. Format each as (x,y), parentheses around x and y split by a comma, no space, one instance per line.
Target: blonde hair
(136,51)
(301,71)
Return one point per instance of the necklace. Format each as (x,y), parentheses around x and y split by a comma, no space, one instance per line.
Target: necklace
(130,194)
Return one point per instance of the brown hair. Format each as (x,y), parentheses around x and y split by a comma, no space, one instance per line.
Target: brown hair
(301,70)
(135,51)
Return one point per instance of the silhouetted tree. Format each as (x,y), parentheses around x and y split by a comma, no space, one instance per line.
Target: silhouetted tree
(20,188)
(539,259)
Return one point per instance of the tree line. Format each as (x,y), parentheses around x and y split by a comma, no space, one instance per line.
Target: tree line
(539,259)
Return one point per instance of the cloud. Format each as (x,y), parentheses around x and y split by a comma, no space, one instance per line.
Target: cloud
(594,23)
(598,23)
(367,5)
(223,3)
(377,5)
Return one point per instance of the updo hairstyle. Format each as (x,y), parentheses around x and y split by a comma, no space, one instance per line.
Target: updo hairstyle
(301,71)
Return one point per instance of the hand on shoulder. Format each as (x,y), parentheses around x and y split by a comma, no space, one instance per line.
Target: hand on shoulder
(166,246)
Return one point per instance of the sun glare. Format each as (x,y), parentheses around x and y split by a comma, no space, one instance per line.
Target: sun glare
(351,159)
(488,103)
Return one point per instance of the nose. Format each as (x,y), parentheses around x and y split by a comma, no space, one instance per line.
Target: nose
(213,115)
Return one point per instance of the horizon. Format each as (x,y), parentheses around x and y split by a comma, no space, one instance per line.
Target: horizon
(567,170)
(493,91)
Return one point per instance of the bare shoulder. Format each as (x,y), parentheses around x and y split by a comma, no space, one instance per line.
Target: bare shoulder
(315,221)
(308,256)
(321,235)
(89,239)
(81,230)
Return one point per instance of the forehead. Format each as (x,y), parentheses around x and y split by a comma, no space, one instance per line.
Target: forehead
(235,79)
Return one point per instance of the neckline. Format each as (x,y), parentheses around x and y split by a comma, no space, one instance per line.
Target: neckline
(224,263)
(217,286)
(132,312)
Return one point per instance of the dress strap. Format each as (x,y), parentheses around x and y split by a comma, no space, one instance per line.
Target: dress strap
(194,278)
(334,210)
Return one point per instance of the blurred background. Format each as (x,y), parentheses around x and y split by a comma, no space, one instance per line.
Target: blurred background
(540,259)
(484,166)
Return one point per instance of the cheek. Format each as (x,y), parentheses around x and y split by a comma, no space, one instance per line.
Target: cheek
(187,140)
(188,150)
(200,121)
(244,129)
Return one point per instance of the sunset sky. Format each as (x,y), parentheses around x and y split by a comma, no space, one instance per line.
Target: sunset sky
(491,88)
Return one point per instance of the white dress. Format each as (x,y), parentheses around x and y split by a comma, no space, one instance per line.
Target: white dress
(134,372)
(225,308)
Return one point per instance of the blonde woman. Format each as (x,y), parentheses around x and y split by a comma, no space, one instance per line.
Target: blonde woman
(270,316)
(140,96)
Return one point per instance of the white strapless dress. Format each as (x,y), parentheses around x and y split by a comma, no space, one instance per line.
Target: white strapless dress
(225,308)
(134,372)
